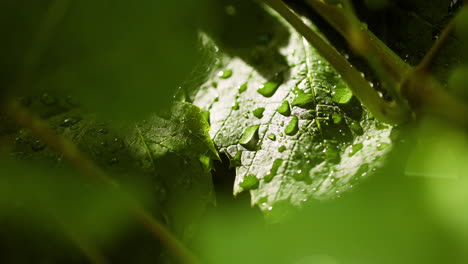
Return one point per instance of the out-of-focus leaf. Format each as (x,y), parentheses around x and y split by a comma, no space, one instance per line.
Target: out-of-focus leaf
(320,145)
(60,197)
(166,159)
(122,60)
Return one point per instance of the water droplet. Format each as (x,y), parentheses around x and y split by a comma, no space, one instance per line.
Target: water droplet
(382,146)
(113,161)
(67,122)
(292,127)
(342,95)
(103,131)
(282,149)
(355,148)
(272,137)
(37,146)
(225,74)
(269,88)
(249,182)
(236,160)
(300,175)
(235,106)
(48,99)
(249,138)
(258,113)
(243,88)
(284,108)
(356,128)
(332,154)
(303,99)
(274,170)
(337,118)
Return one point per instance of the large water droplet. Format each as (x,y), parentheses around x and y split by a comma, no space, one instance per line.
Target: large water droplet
(342,95)
(258,113)
(249,138)
(274,170)
(269,88)
(284,108)
(355,148)
(292,127)
(249,182)
(303,100)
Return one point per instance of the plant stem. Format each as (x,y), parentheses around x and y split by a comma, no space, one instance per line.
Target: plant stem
(71,153)
(382,110)
(388,65)
(436,48)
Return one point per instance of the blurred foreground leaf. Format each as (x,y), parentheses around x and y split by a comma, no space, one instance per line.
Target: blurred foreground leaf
(120,59)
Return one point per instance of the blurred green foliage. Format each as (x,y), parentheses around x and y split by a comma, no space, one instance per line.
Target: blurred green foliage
(118,59)
(97,71)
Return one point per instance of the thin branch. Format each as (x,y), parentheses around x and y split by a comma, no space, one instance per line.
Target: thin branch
(71,153)
(436,48)
(388,65)
(382,110)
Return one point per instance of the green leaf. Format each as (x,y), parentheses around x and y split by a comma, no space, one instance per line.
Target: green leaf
(166,159)
(324,147)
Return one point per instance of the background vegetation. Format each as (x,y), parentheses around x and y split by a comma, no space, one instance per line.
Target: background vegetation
(340,127)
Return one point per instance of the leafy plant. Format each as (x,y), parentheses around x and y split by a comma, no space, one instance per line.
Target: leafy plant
(153,102)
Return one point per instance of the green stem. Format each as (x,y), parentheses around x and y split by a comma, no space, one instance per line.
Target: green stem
(382,110)
(388,64)
(70,152)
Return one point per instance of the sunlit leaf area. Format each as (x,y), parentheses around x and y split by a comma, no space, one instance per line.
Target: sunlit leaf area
(234,131)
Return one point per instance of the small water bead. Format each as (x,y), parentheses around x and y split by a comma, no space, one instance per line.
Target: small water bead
(282,149)
(225,74)
(113,161)
(236,160)
(37,146)
(243,88)
(382,146)
(48,99)
(235,106)
(272,137)
(68,122)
